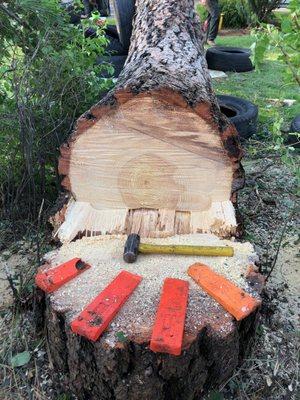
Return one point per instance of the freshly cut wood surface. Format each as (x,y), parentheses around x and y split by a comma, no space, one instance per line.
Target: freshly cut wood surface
(146,154)
(163,161)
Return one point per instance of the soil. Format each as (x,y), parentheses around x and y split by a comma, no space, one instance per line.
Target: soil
(269,372)
(12,266)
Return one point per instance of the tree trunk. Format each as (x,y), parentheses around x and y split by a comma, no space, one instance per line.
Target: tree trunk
(155,156)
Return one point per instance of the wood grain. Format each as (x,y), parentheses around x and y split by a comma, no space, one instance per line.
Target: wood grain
(149,154)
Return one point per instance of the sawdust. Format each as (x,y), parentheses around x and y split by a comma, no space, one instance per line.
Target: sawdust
(136,317)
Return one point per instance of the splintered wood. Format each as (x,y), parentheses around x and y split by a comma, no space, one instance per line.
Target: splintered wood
(152,156)
(81,217)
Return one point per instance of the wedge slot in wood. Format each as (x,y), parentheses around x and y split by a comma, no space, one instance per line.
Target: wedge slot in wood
(95,318)
(169,324)
(231,297)
(54,278)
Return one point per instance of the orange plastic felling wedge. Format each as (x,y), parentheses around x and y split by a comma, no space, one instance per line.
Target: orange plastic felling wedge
(237,302)
(52,279)
(95,318)
(169,323)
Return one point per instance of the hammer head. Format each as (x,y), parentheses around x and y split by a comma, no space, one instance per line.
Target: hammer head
(131,248)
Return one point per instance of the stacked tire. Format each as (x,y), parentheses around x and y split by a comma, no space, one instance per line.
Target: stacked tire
(241,113)
(117,52)
(235,59)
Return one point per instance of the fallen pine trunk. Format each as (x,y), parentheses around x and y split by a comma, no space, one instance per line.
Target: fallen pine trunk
(155,156)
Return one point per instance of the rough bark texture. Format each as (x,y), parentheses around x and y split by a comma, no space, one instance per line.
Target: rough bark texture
(130,371)
(166,62)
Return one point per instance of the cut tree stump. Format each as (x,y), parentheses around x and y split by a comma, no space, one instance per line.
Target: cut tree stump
(120,364)
(156,156)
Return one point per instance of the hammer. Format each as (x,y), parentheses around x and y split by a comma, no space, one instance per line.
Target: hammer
(133,247)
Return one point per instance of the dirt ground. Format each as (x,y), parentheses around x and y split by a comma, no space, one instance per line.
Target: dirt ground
(271,369)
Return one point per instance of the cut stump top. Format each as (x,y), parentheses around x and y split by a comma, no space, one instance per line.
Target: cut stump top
(136,318)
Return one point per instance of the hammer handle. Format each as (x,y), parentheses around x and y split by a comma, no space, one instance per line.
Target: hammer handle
(221,251)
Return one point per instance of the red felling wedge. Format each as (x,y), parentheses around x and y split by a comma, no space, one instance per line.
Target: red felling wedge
(169,323)
(231,297)
(95,318)
(54,278)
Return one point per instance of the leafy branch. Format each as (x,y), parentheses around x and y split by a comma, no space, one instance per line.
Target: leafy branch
(286,38)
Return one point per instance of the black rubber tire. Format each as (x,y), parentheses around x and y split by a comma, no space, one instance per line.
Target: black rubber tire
(295,128)
(104,8)
(74,18)
(229,59)
(242,113)
(118,64)
(115,47)
(295,125)
(90,33)
(111,30)
(124,10)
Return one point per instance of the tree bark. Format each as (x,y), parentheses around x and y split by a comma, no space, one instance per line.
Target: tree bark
(132,372)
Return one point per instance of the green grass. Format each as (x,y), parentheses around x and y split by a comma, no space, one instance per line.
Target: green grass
(260,86)
(238,41)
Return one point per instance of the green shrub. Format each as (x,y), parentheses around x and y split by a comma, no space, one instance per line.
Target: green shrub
(285,38)
(263,8)
(237,13)
(48,77)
